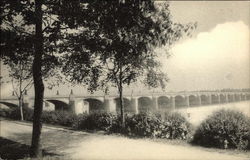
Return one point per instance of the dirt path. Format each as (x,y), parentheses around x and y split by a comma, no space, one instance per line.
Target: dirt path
(82,145)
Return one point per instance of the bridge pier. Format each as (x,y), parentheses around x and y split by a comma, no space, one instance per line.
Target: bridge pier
(81,106)
(155,103)
(78,106)
(209,98)
(199,99)
(227,98)
(219,100)
(134,105)
(243,97)
(235,97)
(72,106)
(173,102)
(187,101)
(109,105)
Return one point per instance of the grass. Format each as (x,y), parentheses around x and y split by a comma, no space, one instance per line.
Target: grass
(211,149)
(13,150)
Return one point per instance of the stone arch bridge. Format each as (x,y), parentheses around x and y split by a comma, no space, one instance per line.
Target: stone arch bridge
(133,103)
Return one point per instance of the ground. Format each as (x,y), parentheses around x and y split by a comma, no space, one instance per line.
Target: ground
(68,144)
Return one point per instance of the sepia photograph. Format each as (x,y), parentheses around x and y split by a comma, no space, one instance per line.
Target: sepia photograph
(125,80)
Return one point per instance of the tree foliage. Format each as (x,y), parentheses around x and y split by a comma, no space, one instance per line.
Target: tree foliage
(96,41)
(36,27)
(120,42)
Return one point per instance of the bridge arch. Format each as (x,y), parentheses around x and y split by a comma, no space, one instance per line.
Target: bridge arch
(127,105)
(59,105)
(237,97)
(145,104)
(248,96)
(215,99)
(194,100)
(223,98)
(230,97)
(180,101)
(48,106)
(164,103)
(95,105)
(243,96)
(9,105)
(204,99)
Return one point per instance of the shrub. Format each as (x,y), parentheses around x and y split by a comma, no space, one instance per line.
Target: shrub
(172,126)
(177,126)
(68,119)
(142,125)
(79,122)
(27,114)
(98,121)
(5,112)
(224,129)
(14,113)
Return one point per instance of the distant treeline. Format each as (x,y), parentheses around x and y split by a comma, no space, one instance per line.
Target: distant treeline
(236,90)
(222,90)
(227,90)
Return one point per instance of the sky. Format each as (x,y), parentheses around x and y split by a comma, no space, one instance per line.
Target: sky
(217,55)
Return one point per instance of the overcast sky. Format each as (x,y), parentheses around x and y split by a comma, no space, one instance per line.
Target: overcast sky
(217,56)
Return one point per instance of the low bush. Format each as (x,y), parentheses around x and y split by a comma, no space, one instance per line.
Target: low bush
(98,121)
(79,122)
(5,112)
(28,114)
(177,125)
(51,117)
(170,126)
(14,113)
(224,129)
(67,119)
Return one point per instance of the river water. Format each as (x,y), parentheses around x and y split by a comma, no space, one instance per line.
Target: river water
(196,115)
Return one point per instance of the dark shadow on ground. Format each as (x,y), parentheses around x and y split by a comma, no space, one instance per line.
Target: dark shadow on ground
(14,150)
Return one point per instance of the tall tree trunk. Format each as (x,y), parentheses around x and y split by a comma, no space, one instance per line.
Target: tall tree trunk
(20,99)
(36,150)
(120,87)
(122,106)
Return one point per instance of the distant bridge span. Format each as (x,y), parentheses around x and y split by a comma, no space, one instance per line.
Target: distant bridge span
(135,103)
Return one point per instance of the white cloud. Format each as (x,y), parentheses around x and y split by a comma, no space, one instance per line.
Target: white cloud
(209,58)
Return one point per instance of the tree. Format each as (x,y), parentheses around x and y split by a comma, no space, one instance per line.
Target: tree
(20,70)
(36,27)
(21,79)
(122,39)
(18,62)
